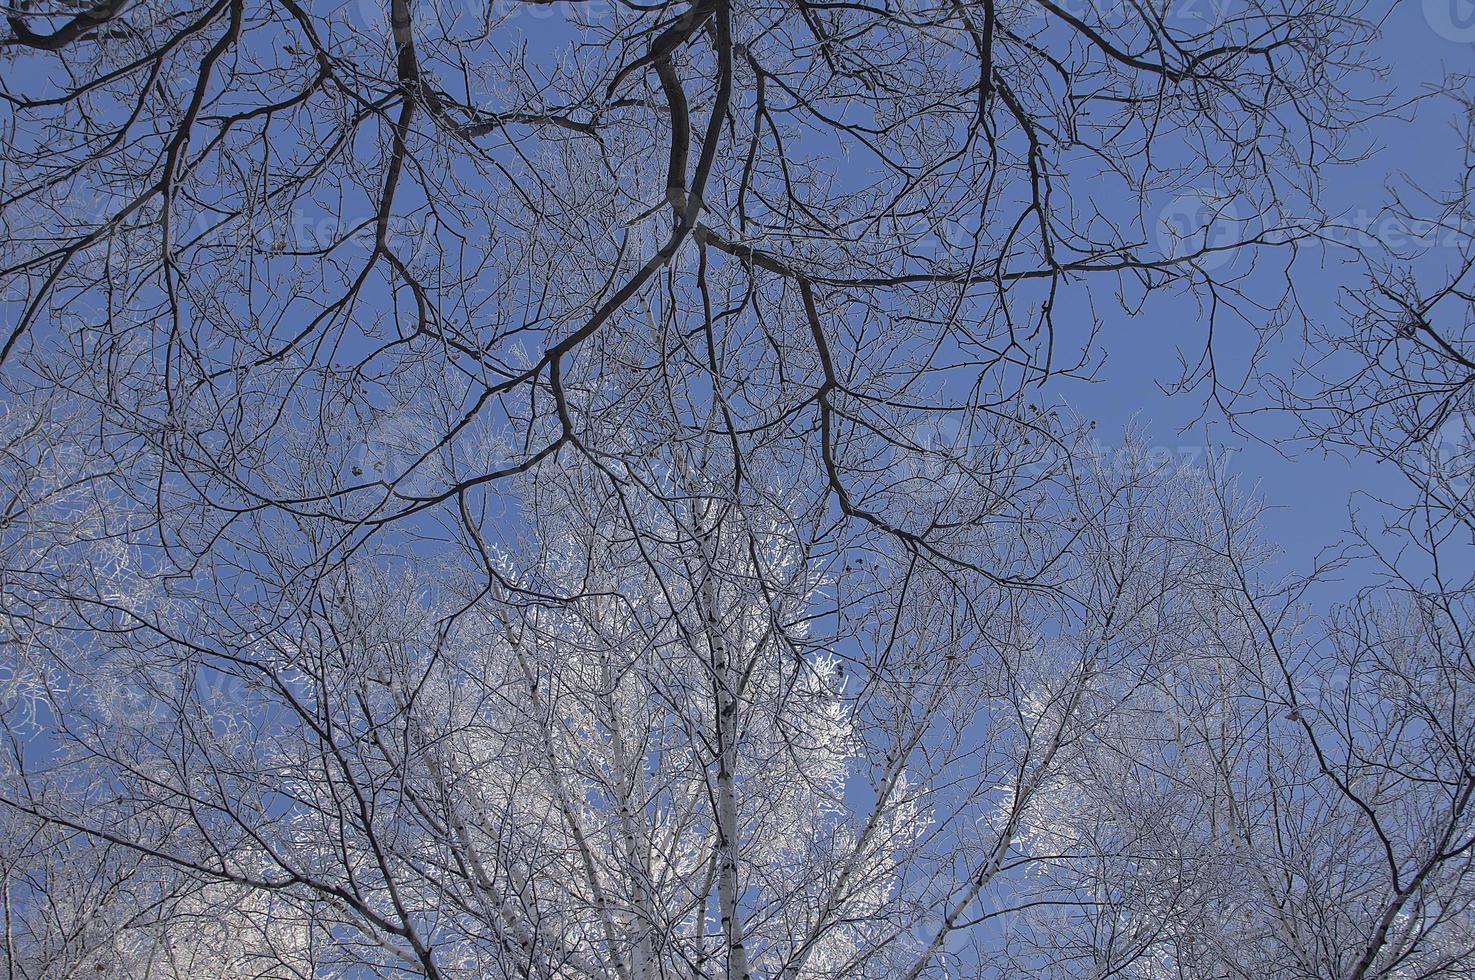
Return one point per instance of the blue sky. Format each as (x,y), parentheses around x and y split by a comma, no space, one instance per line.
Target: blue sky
(1309,491)
(1423,42)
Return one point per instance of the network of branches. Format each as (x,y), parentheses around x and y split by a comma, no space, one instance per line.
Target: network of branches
(580,490)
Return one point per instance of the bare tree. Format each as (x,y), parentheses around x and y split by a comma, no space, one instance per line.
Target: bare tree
(572,492)
(680,746)
(1398,383)
(1288,798)
(337,220)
